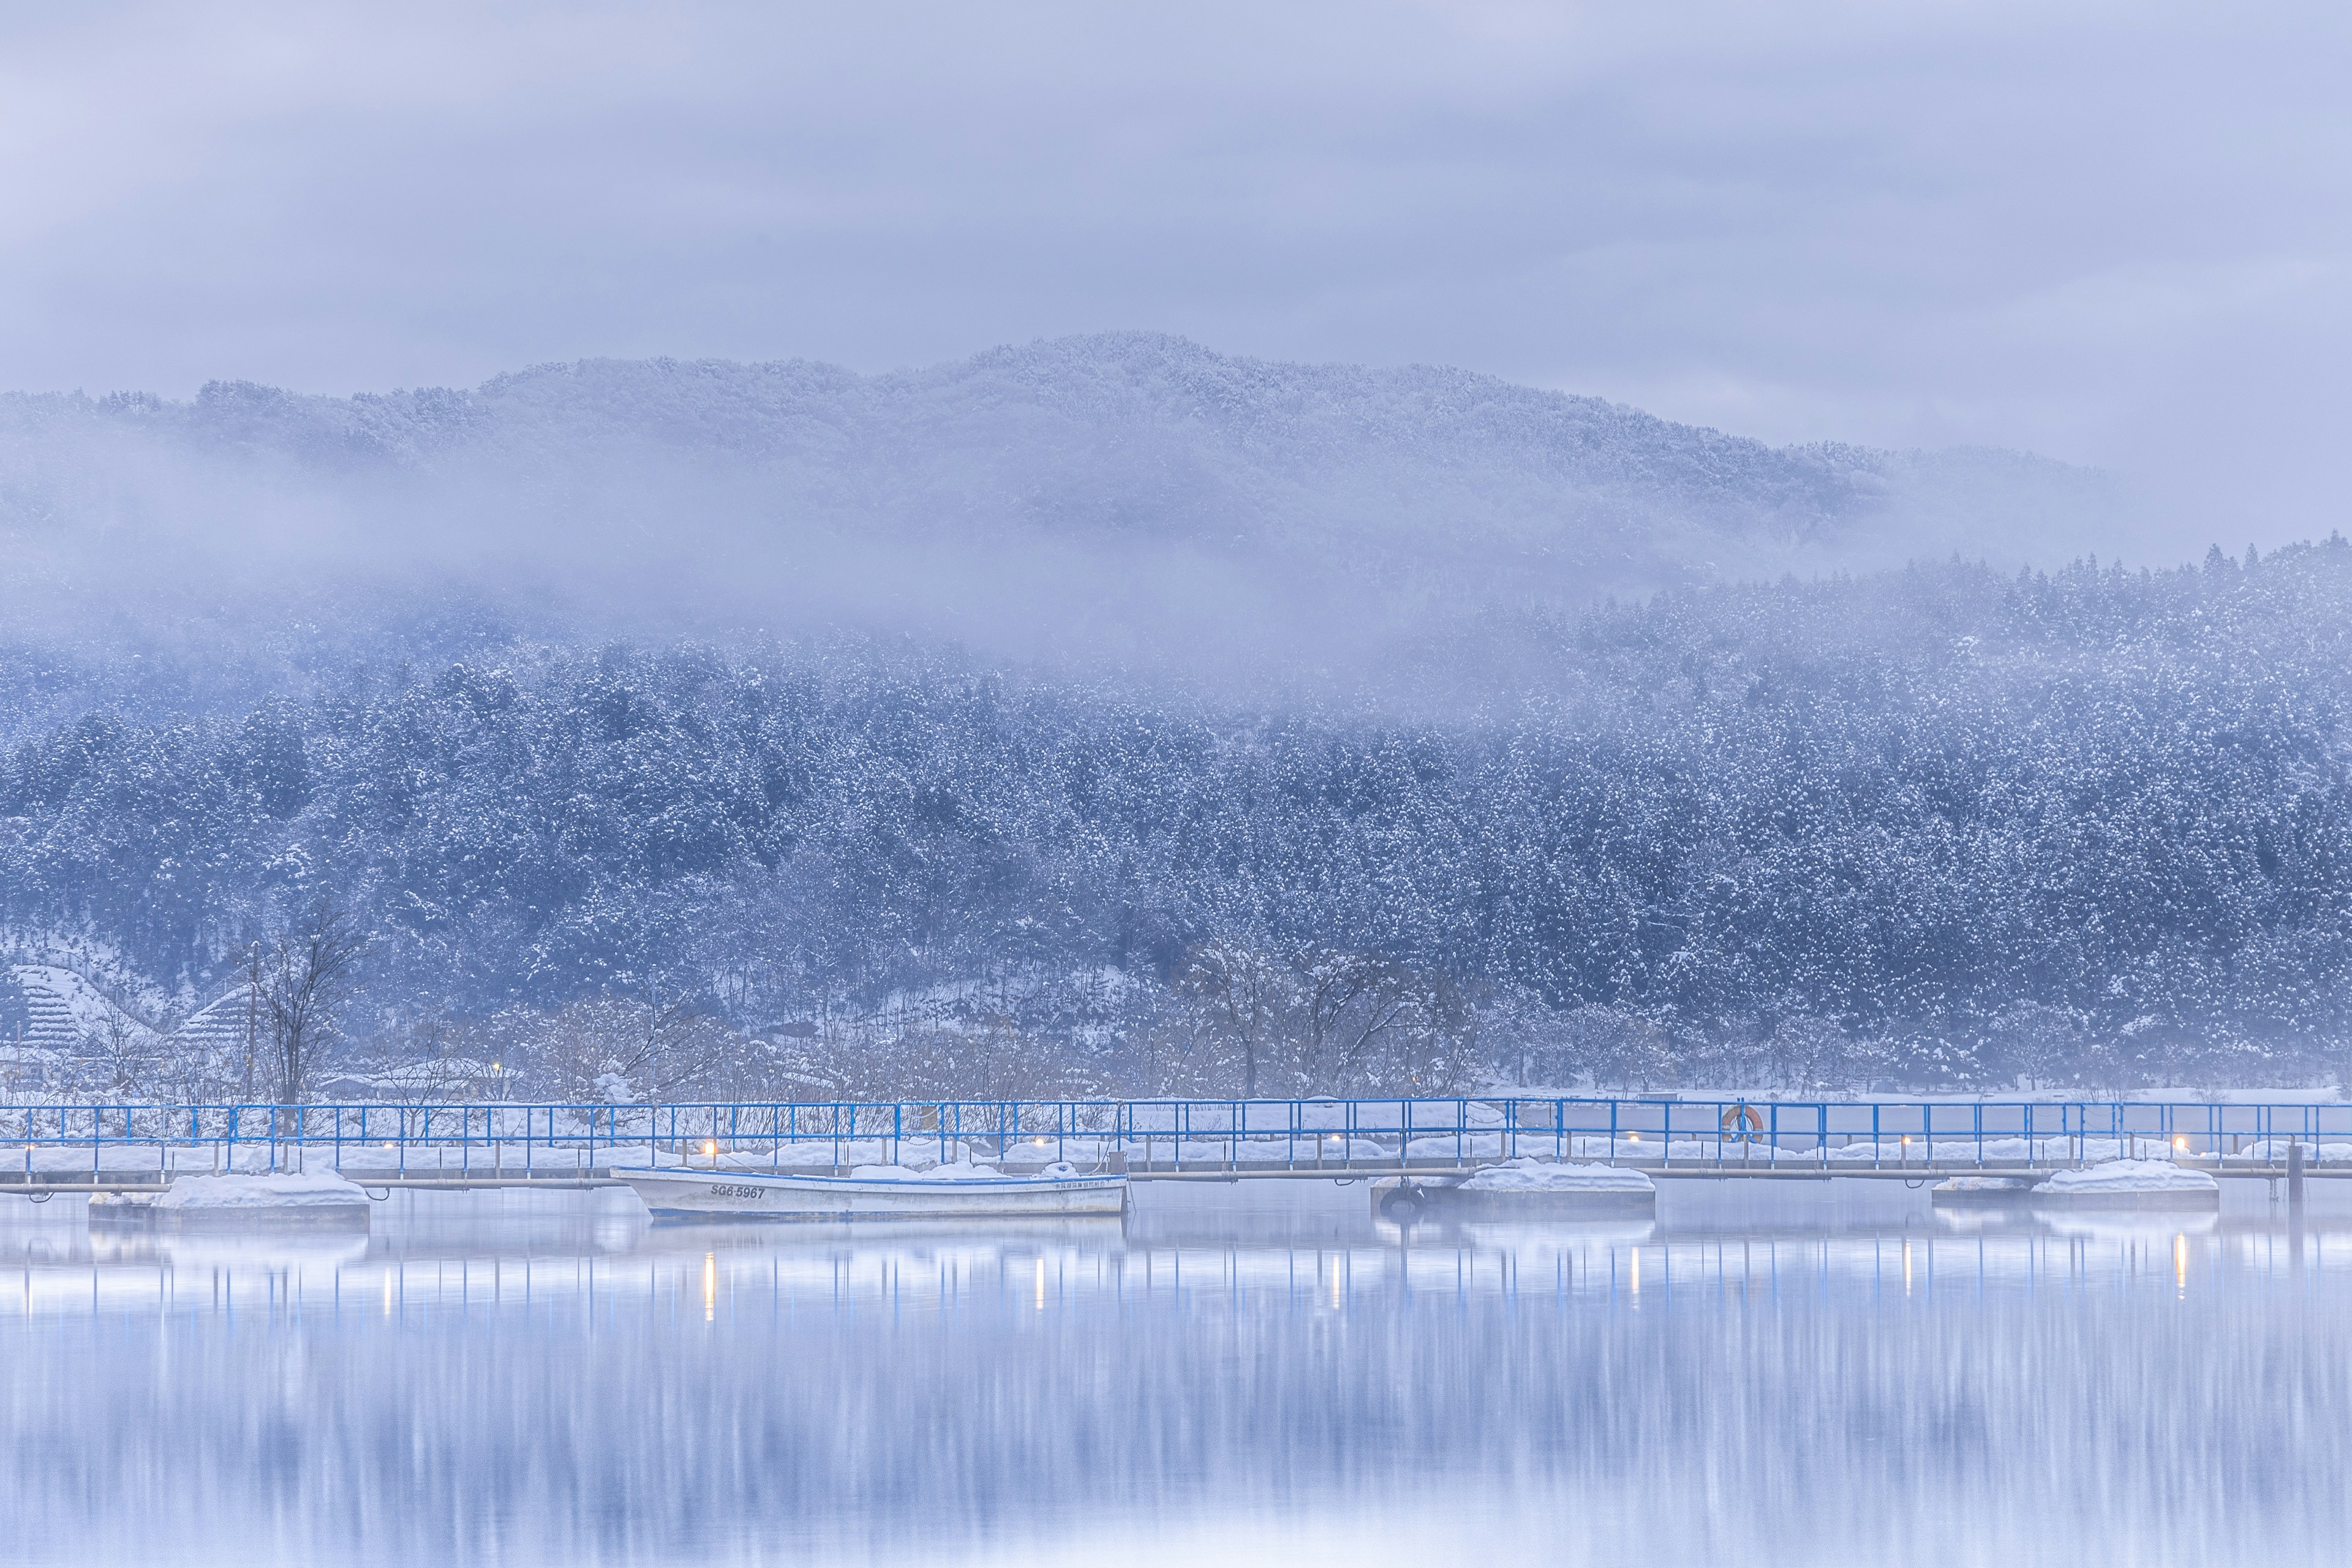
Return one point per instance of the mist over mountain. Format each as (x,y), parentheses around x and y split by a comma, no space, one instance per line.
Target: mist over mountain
(996,728)
(1130,496)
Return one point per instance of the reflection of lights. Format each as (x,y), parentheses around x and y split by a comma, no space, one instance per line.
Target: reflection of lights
(709,1286)
(1041,1275)
(2180,1262)
(387,1292)
(1637,1271)
(1907,1269)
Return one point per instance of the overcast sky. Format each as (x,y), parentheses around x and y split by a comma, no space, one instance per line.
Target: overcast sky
(2116,234)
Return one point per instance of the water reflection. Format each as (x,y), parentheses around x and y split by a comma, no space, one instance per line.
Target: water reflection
(565,1384)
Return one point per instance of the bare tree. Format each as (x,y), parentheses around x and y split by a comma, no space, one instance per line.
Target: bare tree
(1807,1054)
(252,1016)
(1243,993)
(618,1048)
(1320,1019)
(125,1053)
(1611,1046)
(302,981)
(1360,1022)
(2035,1044)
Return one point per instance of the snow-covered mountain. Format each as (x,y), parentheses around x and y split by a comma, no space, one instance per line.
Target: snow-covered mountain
(1130,490)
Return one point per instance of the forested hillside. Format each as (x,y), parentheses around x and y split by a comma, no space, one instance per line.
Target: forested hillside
(1938,825)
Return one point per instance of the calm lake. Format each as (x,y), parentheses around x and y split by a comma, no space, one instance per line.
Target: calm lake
(1263,1373)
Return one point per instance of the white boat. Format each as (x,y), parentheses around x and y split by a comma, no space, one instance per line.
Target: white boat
(877,1192)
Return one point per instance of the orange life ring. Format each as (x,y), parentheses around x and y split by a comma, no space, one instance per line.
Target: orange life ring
(1742,1121)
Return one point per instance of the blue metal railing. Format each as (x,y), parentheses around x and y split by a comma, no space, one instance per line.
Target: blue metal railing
(506,1139)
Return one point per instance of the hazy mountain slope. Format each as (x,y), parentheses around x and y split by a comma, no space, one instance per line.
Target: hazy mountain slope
(1130,493)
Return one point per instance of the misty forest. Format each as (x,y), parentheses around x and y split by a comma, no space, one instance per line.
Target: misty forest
(1697,783)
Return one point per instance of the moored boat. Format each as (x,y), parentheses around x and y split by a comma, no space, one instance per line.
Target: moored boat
(877,1192)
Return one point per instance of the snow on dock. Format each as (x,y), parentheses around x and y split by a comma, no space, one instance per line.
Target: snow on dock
(1982,1192)
(2130,1184)
(1522,1188)
(1527,1174)
(317,1199)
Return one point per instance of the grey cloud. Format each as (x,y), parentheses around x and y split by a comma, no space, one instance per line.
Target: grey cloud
(2117,235)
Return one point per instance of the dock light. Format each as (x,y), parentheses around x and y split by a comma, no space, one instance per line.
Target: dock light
(1036,1139)
(709,1148)
(2181,1142)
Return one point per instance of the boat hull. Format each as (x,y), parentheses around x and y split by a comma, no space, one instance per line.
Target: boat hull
(741,1195)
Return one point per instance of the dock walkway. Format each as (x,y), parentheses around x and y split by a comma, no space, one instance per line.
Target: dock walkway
(52,1149)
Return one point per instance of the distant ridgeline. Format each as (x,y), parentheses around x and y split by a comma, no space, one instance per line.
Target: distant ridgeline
(1129,493)
(1939,825)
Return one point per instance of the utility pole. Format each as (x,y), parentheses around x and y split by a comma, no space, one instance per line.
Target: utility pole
(252,1014)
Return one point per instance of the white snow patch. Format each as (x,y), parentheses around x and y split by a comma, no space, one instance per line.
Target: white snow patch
(2131,1176)
(962,1171)
(1531,1176)
(321,1189)
(2275,1150)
